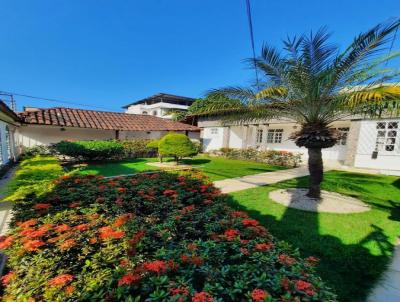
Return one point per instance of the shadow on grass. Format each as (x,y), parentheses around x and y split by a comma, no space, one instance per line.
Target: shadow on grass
(350,269)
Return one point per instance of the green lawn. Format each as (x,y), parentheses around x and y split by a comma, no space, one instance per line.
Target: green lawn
(354,248)
(216,168)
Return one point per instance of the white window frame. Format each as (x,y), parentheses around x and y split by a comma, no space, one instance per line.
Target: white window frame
(387,136)
(274,136)
(259,136)
(214,131)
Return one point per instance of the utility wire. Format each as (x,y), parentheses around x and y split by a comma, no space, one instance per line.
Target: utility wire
(248,11)
(52,100)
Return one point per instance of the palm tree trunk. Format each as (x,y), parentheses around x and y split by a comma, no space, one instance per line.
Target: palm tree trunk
(316,168)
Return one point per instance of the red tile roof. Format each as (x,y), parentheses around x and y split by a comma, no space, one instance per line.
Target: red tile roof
(69,117)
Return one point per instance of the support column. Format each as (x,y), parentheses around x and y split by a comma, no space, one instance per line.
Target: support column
(226,137)
(244,136)
(352,143)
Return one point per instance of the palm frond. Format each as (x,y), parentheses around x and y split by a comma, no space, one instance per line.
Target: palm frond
(272,93)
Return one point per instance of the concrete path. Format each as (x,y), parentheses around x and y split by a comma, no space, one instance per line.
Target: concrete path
(5,206)
(388,289)
(262,179)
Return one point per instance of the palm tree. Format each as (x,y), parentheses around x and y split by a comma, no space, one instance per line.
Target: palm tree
(314,84)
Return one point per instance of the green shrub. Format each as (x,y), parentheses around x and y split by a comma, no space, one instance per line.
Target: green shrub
(90,150)
(150,237)
(176,145)
(33,176)
(271,157)
(36,150)
(136,148)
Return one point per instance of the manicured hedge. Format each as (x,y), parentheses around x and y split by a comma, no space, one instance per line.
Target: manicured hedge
(34,175)
(151,237)
(137,148)
(176,145)
(90,150)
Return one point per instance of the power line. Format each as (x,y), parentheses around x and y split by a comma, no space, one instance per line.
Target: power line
(248,11)
(52,100)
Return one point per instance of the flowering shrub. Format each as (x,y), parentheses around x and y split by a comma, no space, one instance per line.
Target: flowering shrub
(150,237)
(272,157)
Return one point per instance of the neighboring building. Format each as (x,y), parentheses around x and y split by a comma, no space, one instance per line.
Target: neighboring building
(9,123)
(159,105)
(51,125)
(365,143)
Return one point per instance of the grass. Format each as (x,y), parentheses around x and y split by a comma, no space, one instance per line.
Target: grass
(354,248)
(34,175)
(216,168)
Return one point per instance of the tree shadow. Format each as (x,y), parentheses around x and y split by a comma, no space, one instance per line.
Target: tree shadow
(195,161)
(350,269)
(396,183)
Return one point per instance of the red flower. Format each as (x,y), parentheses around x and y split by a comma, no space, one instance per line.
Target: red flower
(121,190)
(202,297)
(231,234)
(286,260)
(239,214)
(6,242)
(204,188)
(67,244)
(169,192)
(119,201)
(312,260)
(157,266)
(128,279)
(41,206)
(108,233)
(7,278)
(301,285)
(263,246)
(61,280)
(244,251)
(187,209)
(73,205)
(250,222)
(33,245)
(192,247)
(183,291)
(258,295)
(285,283)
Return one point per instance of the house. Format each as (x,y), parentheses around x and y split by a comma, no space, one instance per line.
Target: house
(51,125)
(365,143)
(9,122)
(160,105)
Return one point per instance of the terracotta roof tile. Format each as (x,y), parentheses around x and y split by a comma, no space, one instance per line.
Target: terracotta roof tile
(80,118)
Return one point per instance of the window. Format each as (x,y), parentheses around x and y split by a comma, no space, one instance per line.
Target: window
(386,136)
(274,136)
(8,142)
(144,112)
(154,113)
(259,136)
(343,132)
(214,130)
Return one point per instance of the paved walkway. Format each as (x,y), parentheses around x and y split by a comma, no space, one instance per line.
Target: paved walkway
(388,289)
(5,206)
(262,179)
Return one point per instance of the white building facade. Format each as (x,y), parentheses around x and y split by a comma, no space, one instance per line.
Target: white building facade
(160,105)
(9,123)
(372,144)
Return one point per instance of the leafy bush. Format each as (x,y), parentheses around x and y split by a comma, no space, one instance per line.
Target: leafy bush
(272,157)
(90,150)
(176,145)
(36,150)
(150,237)
(138,148)
(33,176)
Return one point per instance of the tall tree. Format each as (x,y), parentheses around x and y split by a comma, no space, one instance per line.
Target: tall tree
(314,84)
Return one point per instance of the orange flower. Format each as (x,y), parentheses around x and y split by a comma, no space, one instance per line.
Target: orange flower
(69,290)
(82,227)
(61,280)
(33,245)
(67,244)
(62,228)
(7,278)
(28,223)
(128,279)
(41,206)
(6,242)
(108,233)
(122,219)
(93,240)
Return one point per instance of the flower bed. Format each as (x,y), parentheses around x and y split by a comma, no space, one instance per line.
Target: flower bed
(154,237)
(272,157)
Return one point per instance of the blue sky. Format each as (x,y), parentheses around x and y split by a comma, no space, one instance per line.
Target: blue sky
(108,53)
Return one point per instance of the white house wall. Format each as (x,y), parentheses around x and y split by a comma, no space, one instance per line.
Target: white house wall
(213,138)
(366,145)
